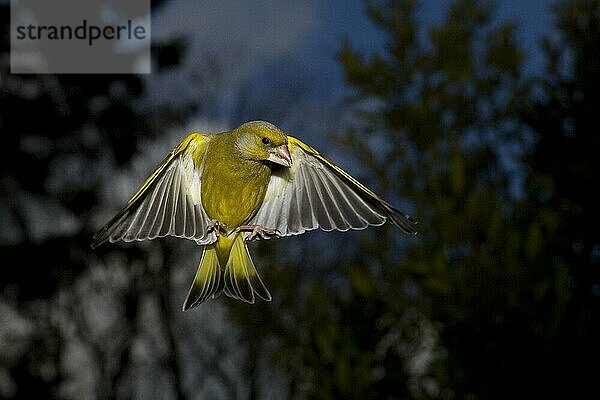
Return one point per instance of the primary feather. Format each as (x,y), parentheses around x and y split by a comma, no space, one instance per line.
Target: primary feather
(316,193)
(168,203)
(212,187)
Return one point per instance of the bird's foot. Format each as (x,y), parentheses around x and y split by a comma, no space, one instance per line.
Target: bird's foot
(215,226)
(259,230)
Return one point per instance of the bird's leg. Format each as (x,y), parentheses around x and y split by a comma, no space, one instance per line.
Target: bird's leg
(215,226)
(256,230)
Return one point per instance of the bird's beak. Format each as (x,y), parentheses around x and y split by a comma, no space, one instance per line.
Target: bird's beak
(280,155)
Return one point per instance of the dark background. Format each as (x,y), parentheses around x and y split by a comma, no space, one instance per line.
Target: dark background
(491,144)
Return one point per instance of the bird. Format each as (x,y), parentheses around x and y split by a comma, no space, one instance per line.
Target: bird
(225,189)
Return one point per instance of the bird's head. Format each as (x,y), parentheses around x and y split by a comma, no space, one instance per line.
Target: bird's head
(263,141)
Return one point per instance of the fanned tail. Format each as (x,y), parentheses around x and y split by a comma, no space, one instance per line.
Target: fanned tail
(239,278)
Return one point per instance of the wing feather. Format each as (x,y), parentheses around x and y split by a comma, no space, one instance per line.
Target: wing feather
(168,203)
(315,193)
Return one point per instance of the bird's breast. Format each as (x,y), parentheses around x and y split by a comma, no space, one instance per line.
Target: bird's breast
(232,193)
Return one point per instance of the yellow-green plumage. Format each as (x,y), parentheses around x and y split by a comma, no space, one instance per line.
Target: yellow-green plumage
(234,182)
(233,187)
(223,189)
(226,266)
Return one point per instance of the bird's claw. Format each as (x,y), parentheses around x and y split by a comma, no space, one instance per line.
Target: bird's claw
(215,226)
(259,230)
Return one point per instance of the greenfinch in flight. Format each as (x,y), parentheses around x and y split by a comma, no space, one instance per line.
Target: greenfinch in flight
(224,189)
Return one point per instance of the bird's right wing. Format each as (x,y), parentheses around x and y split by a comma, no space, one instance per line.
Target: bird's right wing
(168,203)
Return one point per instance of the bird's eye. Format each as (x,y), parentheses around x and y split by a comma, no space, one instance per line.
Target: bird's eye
(266,140)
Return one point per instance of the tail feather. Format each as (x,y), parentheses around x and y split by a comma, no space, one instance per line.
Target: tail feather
(239,278)
(208,282)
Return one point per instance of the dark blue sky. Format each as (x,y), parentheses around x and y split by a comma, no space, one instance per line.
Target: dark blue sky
(306,35)
(533,18)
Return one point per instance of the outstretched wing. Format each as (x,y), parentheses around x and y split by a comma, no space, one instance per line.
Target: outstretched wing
(168,203)
(315,193)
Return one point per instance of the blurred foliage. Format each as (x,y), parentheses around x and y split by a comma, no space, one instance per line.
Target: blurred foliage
(53,126)
(562,240)
(499,295)
(77,311)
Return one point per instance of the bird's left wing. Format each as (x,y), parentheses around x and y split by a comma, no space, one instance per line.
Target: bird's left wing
(168,203)
(315,193)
